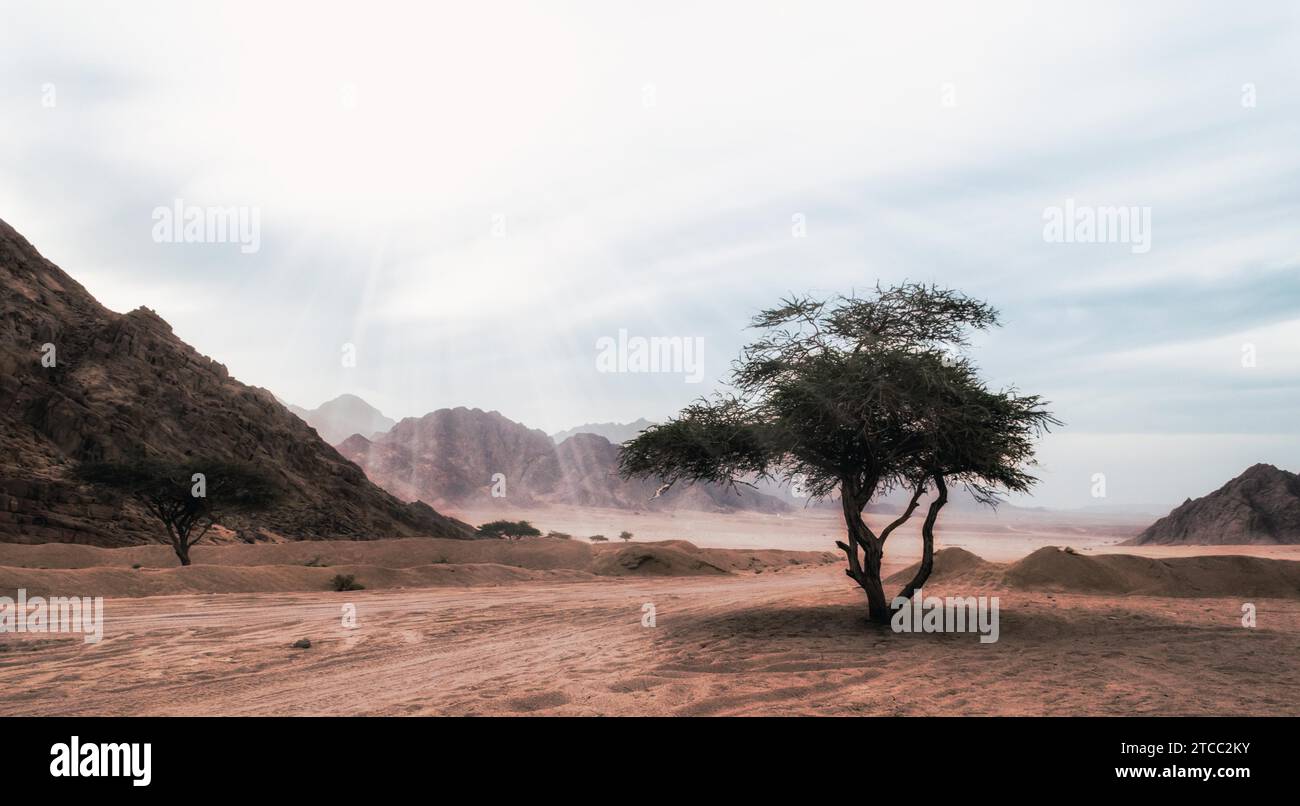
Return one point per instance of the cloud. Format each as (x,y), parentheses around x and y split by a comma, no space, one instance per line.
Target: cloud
(646,170)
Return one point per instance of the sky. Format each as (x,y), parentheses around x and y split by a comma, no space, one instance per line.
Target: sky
(456,203)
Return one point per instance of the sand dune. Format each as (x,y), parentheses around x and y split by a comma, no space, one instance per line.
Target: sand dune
(410,563)
(1055,569)
(953,564)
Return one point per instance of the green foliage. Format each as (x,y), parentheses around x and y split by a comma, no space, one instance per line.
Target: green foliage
(510,530)
(559,535)
(598,539)
(854,396)
(345,582)
(625,536)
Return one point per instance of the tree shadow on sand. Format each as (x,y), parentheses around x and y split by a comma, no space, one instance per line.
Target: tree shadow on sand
(848,625)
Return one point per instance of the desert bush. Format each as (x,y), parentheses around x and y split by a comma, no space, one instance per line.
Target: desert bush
(346,582)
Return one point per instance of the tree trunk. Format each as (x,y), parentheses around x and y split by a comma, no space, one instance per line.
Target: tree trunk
(183,552)
(878,609)
(927,538)
(865,569)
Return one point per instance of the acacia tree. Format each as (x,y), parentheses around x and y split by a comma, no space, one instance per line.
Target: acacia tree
(855,397)
(510,530)
(188,498)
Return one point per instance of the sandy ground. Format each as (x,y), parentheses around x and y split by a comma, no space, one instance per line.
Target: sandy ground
(788,643)
(771,638)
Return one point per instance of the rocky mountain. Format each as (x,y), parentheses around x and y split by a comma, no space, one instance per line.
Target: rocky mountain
(617,433)
(79,382)
(336,420)
(1262,505)
(461,456)
(451,456)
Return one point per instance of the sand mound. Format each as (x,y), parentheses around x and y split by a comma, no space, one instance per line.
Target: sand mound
(536,554)
(1055,569)
(63,569)
(653,560)
(756,560)
(952,565)
(1051,568)
(683,558)
(124,582)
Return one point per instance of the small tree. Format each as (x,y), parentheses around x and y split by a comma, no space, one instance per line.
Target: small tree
(510,530)
(598,539)
(188,498)
(625,536)
(855,397)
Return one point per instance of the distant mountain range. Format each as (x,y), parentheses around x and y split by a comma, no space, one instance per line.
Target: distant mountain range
(1261,506)
(617,433)
(336,420)
(79,383)
(445,458)
(462,456)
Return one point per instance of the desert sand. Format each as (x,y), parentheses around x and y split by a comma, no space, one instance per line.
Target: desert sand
(556,627)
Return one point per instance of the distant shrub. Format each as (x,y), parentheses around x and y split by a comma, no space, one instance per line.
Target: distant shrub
(136,566)
(559,535)
(315,562)
(346,582)
(598,539)
(625,536)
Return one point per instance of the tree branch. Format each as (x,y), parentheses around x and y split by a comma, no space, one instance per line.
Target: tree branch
(907,513)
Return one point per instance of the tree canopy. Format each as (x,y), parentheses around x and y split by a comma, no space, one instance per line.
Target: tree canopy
(188,497)
(511,530)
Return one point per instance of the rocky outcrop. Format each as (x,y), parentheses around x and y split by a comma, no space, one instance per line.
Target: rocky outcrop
(79,382)
(1262,505)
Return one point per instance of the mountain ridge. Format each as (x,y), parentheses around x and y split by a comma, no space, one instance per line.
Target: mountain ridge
(462,457)
(79,382)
